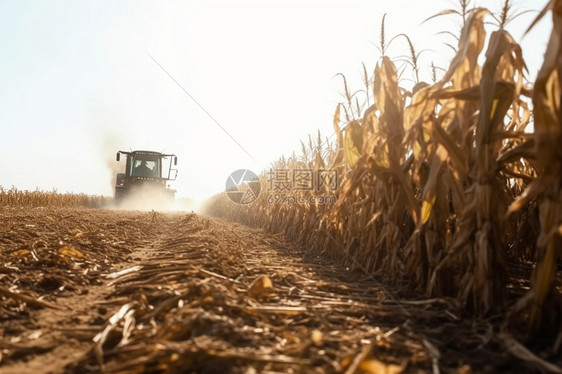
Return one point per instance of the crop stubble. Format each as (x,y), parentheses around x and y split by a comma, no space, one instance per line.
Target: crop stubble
(90,290)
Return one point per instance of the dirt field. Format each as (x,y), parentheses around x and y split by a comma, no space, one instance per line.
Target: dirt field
(118,291)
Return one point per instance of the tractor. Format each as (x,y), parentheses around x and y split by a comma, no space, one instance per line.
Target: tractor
(146,176)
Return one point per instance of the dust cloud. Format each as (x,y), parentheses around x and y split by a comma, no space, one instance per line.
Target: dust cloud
(153,197)
(109,147)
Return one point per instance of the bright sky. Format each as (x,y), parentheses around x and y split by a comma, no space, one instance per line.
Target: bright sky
(77,83)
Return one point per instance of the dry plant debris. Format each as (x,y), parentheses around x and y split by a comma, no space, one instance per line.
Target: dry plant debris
(126,292)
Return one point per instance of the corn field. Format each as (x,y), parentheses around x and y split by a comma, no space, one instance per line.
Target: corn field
(444,187)
(14,198)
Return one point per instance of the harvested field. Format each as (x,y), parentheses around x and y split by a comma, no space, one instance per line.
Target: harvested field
(115,291)
(422,233)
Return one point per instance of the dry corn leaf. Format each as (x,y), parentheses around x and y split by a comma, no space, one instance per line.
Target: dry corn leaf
(427,205)
(389,99)
(70,251)
(491,92)
(262,286)
(21,253)
(63,260)
(430,188)
(373,366)
(471,43)
(454,153)
(353,142)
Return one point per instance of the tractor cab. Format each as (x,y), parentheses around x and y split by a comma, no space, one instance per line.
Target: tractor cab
(146,169)
(146,165)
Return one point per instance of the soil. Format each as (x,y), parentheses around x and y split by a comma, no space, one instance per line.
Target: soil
(85,290)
